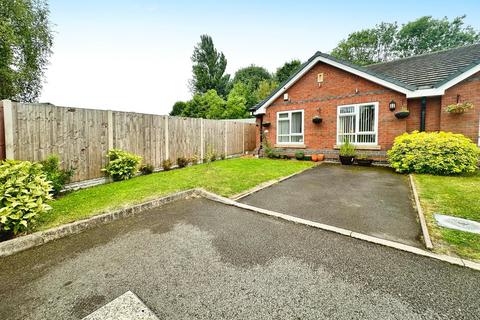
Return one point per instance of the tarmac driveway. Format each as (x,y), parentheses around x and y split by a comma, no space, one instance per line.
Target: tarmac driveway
(371,200)
(199,259)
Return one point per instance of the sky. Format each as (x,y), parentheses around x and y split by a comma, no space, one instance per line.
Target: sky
(135,55)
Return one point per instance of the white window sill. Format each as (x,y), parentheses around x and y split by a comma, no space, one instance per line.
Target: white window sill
(362,147)
(291,146)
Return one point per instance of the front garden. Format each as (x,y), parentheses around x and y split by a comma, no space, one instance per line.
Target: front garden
(224,177)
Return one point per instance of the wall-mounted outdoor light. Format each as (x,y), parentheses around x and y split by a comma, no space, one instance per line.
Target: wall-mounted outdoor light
(392,105)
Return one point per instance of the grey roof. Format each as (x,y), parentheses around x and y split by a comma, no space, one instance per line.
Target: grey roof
(430,70)
(418,72)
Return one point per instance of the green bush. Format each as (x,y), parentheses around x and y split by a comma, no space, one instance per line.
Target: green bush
(182,162)
(437,153)
(24,190)
(299,155)
(347,149)
(122,165)
(146,169)
(167,164)
(58,177)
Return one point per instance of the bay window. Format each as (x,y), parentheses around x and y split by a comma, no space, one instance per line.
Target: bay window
(290,127)
(358,123)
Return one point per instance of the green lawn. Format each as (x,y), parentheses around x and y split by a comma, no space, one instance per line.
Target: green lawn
(226,177)
(456,196)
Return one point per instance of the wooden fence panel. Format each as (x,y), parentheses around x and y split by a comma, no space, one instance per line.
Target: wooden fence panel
(82,137)
(184,137)
(214,136)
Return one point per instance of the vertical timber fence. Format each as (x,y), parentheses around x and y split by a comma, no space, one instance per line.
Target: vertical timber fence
(82,137)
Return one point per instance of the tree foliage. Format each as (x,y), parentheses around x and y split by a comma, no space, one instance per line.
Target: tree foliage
(388,41)
(178,108)
(25,47)
(209,68)
(251,77)
(265,88)
(285,71)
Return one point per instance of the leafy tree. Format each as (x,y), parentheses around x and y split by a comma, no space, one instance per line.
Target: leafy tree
(388,41)
(236,107)
(25,47)
(369,45)
(207,105)
(251,77)
(209,68)
(178,108)
(285,71)
(428,35)
(265,88)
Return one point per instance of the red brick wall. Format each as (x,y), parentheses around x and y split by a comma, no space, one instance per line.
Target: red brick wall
(432,116)
(337,89)
(467,123)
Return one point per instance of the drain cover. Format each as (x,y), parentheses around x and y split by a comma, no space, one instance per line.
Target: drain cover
(457,223)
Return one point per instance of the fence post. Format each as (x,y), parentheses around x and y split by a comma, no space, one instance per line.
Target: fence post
(167,151)
(243,138)
(202,139)
(226,138)
(9,129)
(110,129)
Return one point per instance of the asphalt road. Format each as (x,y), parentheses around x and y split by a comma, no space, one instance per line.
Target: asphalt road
(198,259)
(371,200)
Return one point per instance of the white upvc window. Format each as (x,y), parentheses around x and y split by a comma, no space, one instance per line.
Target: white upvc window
(290,127)
(358,123)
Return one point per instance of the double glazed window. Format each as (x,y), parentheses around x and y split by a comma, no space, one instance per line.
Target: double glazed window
(290,127)
(358,123)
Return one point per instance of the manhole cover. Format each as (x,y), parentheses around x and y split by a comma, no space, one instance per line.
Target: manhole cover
(457,223)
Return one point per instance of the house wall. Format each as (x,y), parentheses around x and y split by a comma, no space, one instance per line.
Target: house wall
(467,123)
(339,88)
(432,115)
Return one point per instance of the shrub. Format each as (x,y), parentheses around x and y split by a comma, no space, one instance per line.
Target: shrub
(438,153)
(347,149)
(167,164)
(299,155)
(222,156)
(213,157)
(24,190)
(147,169)
(121,165)
(58,177)
(182,162)
(193,159)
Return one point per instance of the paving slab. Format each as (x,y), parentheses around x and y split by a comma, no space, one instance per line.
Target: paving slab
(126,307)
(370,200)
(199,259)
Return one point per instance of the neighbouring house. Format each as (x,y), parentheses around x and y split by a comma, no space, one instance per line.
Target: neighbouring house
(328,101)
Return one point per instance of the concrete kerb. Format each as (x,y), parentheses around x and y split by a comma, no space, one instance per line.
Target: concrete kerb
(267,184)
(345,232)
(421,216)
(38,238)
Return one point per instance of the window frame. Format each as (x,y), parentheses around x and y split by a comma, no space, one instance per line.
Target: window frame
(289,118)
(356,112)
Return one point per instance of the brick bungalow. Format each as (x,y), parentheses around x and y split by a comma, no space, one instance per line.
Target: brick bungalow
(362,104)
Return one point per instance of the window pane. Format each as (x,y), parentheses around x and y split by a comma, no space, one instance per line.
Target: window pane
(366,121)
(283,115)
(347,109)
(283,139)
(347,124)
(366,138)
(297,139)
(297,122)
(283,127)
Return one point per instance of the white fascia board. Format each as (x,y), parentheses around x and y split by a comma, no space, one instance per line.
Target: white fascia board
(425,93)
(339,66)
